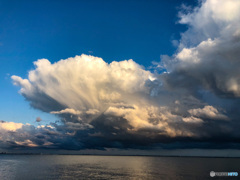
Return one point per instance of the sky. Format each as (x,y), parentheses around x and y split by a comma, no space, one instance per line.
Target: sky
(130,77)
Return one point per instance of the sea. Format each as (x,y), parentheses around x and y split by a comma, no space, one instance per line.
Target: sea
(74,167)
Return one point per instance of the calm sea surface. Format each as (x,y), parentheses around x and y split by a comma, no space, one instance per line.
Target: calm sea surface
(24,167)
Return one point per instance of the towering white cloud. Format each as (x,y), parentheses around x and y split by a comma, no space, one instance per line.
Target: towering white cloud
(85,82)
(86,86)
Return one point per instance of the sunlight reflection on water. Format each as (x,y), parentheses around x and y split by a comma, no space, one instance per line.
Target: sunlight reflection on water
(110,167)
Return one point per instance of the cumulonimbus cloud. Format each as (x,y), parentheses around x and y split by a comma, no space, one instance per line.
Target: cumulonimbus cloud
(121,104)
(208,54)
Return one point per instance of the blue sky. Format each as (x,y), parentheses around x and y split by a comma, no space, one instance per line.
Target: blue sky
(113,30)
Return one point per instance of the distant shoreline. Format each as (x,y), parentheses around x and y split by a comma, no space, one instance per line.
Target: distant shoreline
(116,155)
